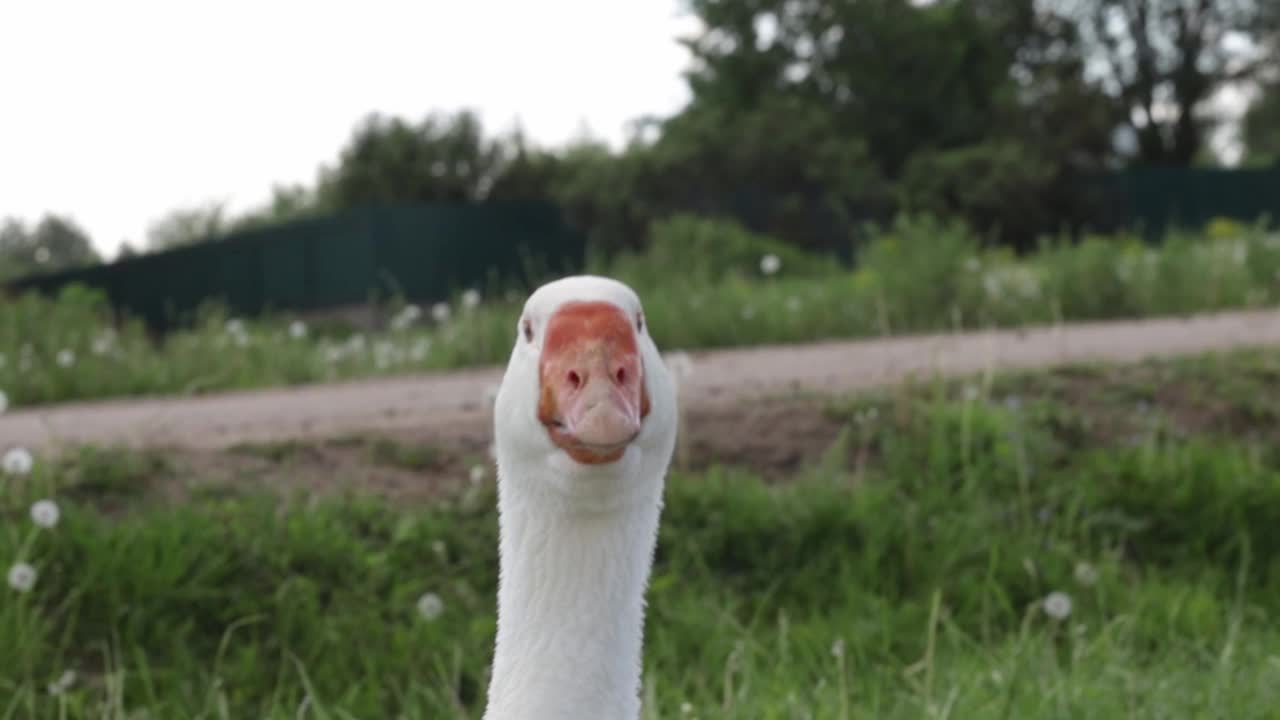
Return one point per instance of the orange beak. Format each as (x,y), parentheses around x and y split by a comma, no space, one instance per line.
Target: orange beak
(592,397)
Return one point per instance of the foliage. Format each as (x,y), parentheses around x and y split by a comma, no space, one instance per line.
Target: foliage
(188,226)
(1164,60)
(1262,127)
(705,285)
(55,243)
(930,581)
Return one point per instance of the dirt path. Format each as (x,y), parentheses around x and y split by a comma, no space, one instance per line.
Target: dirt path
(453,408)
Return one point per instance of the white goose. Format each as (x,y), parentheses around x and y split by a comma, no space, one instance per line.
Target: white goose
(585,426)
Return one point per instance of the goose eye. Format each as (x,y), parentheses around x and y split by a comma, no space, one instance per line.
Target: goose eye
(640,322)
(528,330)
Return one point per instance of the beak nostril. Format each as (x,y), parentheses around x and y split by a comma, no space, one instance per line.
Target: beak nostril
(622,376)
(575,380)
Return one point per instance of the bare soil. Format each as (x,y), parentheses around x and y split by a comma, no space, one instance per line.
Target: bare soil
(417,436)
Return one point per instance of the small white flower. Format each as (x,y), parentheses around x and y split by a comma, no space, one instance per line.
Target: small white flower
(770,264)
(17,461)
(66,358)
(45,513)
(1086,574)
(440,312)
(1057,605)
(438,547)
(430,606)
(297,329)
(22,577)
(686,708)
(837,648)
(470,299)
(103,343)
(971,393)
(478,474)
(235,326)
(4,402)
(63,683)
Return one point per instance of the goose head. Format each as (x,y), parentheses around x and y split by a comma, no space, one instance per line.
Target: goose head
(586,408)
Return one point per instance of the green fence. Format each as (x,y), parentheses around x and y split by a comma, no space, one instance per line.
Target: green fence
(420,253)
(1157,200)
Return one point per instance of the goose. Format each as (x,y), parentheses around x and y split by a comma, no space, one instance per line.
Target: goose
(584,431)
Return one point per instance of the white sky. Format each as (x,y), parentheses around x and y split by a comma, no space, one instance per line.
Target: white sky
(117,112)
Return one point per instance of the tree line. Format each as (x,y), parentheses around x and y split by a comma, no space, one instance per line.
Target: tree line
(809,117)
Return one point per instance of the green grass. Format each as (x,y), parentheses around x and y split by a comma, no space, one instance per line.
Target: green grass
(907,584)
(703,287)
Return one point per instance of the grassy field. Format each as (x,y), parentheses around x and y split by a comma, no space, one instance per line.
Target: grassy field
(705,284)
(1092,542)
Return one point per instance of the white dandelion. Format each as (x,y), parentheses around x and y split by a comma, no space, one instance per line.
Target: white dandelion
(235,326)
(297,330)
(837,648)
(1086,574)
(430,606)
(478,474)
(440,312)
(1057,605)
(770,264)
(66,358)
(17,461)
(45,513)
(470,298)
(22,577)
(686,708)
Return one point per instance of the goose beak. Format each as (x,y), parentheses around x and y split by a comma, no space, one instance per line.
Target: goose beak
(592,398)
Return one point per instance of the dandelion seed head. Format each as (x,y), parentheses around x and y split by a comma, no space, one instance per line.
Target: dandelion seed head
(837,648)
(22,577)
(430,606)
(1086,574)
(686,708)
(471,299)
(45,513)
(17,461)
(770,264)
(1057,605)
(440,312)
(66,358)
(297,330)
(477,474)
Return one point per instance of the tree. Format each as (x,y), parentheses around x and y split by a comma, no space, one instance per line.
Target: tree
(188,226)
(56,243)
(1165,60)
(390,161)
(1262,126)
